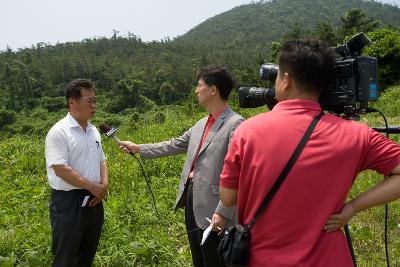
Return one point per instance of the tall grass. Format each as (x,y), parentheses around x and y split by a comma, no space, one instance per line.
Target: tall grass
(133,235)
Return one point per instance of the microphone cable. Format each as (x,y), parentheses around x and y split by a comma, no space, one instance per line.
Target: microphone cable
(110,133)
(147,183)
(165,223)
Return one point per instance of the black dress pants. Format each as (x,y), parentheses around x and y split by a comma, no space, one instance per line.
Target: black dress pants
(205,255)
(75,230)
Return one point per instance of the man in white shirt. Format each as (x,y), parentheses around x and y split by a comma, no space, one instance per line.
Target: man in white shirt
(77,174)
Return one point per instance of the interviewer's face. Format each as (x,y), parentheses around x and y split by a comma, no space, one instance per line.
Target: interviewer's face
(204,92)
(84,107)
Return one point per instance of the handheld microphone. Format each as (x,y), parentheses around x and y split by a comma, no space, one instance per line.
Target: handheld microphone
(108,131)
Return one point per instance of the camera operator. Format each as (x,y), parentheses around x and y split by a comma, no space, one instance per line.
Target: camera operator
(297,229)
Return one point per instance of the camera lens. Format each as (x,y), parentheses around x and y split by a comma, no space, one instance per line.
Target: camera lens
(268,72)
(251,97)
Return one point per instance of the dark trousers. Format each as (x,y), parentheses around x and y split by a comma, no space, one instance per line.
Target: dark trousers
(75,229)
(205,255)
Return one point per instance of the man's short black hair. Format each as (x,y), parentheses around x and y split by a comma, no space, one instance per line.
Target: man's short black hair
(218,76)
(309,62)
(73,89)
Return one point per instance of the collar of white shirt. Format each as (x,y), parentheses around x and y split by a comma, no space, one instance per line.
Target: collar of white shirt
(73,123)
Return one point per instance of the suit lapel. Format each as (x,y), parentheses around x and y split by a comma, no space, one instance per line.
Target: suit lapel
(214,129)
(198,135)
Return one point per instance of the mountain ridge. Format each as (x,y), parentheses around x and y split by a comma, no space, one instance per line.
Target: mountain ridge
(254,26)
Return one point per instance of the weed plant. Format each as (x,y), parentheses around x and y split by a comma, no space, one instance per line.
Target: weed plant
(132,234)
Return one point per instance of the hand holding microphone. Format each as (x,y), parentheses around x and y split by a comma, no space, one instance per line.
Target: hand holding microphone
(126,146)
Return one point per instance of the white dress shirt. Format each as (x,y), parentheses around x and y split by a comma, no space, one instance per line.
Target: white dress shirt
(68,144)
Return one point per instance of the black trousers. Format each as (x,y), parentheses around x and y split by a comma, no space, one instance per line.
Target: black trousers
(75,229)
(205,255)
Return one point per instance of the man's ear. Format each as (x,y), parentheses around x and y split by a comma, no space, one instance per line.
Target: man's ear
(214,90)
(71,102)
(286,81)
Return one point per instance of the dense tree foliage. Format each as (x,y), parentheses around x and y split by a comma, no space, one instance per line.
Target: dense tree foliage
(355,21)
(386,47)
(147,90)
(251,28)
(135,76)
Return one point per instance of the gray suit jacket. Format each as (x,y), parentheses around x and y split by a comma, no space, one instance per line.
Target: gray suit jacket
(207,168)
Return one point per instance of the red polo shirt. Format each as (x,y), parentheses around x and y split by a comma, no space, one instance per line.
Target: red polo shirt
(290,231)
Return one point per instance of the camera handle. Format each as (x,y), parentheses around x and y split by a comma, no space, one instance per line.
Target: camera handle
(389,130)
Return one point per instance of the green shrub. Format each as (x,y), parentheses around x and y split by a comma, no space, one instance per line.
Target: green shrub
(113,120)
(145,104)
(159,118)
(53,104)
(389,102)
(6,117)
(386,47)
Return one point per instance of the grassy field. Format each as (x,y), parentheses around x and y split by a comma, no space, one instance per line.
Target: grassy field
(133,235)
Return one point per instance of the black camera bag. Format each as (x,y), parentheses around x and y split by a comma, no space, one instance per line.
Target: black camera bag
(234,246)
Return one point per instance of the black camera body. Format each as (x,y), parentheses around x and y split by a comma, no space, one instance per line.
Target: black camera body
(355,82)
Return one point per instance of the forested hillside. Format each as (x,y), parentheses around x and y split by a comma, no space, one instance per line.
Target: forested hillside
(146,90)
(251,28)
(131,73)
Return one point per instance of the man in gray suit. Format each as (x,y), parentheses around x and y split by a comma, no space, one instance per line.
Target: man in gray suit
(205,145)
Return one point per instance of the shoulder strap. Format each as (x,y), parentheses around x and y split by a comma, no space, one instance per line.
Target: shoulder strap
(287,169)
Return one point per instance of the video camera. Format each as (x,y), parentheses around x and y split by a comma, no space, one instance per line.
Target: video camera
(355,82)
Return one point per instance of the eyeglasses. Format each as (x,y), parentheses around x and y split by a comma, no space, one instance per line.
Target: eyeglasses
(89,100)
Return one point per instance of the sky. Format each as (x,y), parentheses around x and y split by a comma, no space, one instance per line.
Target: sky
(24,23)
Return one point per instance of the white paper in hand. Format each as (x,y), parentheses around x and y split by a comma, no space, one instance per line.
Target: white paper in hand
(85,200)
(206,233)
